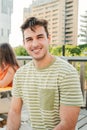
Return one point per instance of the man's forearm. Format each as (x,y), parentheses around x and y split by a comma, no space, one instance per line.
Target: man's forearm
(62,126)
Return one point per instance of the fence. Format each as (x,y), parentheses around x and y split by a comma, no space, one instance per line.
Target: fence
(80,63)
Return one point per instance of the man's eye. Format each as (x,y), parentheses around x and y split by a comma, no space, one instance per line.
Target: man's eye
(28,40)
(40,37)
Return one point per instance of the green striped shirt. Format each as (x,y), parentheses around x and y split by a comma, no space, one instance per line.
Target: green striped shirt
(44,90)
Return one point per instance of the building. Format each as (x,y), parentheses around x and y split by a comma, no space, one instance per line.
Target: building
(82,22)
(6,9)
(83,29)
(62,16)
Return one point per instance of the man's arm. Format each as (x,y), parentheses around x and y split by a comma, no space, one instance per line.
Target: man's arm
(14,115)
(69,116)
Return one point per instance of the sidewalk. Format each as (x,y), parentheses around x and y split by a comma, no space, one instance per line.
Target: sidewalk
(82,120)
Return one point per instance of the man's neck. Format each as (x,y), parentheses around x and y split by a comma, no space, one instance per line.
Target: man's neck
(45,62)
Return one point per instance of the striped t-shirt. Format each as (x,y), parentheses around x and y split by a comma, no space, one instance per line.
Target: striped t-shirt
(44,90)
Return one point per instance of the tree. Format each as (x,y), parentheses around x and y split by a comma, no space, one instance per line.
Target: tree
(20,51)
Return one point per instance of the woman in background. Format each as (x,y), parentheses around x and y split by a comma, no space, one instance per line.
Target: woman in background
(8,65)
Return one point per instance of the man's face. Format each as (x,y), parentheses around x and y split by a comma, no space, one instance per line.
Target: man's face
(36,42)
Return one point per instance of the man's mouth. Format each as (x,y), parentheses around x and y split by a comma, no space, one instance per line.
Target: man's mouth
(36,50)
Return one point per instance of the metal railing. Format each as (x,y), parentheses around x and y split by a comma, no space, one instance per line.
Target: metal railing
(79,63)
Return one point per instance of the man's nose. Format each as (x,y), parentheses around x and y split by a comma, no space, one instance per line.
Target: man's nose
(35,42)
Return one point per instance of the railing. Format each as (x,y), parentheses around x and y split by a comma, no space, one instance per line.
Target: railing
(80,63)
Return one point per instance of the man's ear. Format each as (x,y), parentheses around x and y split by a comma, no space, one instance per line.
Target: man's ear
(49,39)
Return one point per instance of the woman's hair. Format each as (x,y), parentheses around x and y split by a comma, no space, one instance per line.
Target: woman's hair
(7,55)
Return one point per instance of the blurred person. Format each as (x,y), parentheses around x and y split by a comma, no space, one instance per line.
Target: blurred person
(48,86)
(8,65)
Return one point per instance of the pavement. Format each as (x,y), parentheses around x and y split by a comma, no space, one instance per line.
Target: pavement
(82,120)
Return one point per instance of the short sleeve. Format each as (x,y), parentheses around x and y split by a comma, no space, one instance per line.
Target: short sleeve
(16,89)
(70,89)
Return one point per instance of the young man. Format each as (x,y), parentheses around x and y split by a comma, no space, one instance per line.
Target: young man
(48,86)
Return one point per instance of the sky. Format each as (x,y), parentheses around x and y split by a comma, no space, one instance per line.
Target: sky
(17,19)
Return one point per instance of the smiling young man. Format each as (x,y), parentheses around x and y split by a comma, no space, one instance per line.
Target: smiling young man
(48,86)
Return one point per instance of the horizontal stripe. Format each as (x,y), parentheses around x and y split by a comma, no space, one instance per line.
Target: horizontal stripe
(42,91)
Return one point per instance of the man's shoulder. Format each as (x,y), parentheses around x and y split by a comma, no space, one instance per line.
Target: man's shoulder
(61,61)
(25,67)
(63,64)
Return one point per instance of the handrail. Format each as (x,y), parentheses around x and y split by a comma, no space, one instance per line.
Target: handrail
(77,58)
(24,58)
(72,58)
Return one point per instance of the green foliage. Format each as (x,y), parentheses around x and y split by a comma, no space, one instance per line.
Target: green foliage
(83,46)
(73,50)
(55,50)
(85,70)
(70,50)
(20,51)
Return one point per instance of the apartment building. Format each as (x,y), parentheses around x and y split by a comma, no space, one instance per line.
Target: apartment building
(6,9)
(62,16)
(82,32)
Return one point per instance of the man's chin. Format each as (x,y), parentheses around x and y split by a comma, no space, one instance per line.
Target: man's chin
(38,58)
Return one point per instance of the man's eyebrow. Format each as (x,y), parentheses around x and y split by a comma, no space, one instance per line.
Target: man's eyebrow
(40,35)
(29,37)
(26,38)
